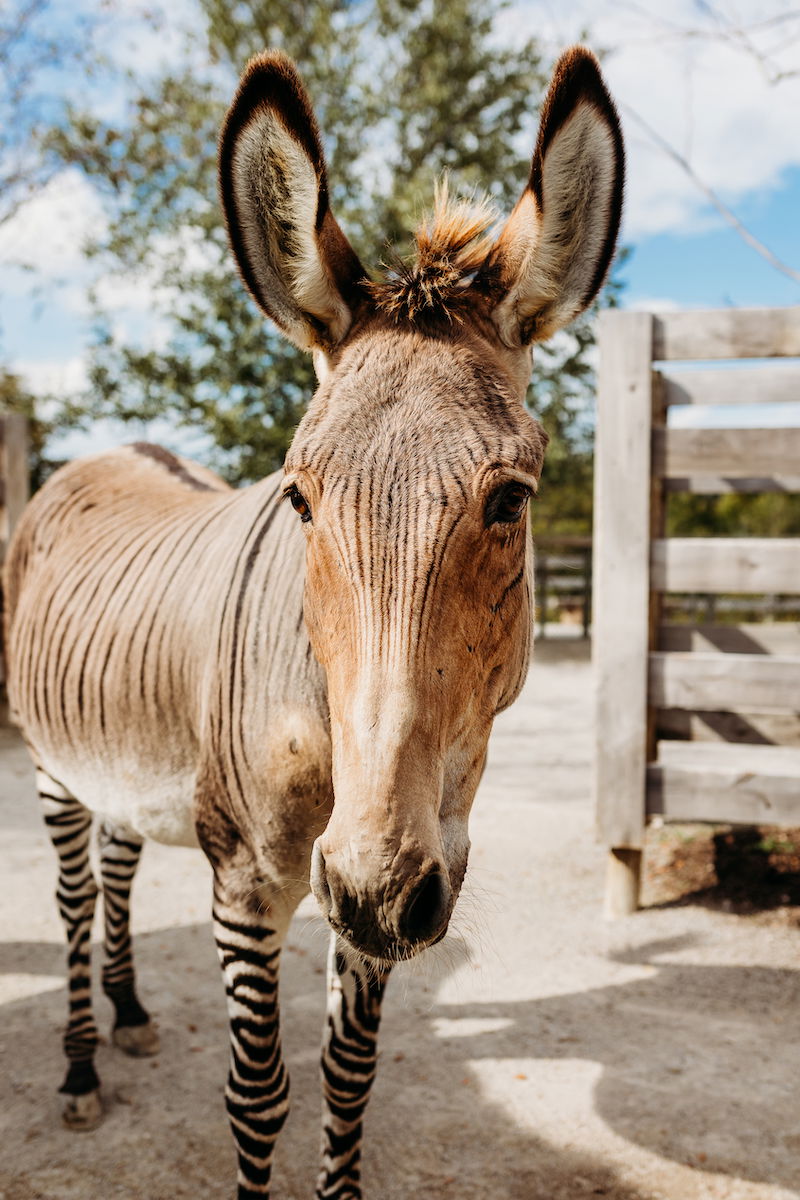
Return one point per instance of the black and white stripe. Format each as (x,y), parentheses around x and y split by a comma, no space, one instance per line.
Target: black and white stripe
(120,850)
(69,825)
(257,1091)
(349,1058)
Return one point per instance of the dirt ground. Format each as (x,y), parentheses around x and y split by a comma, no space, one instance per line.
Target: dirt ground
(538,1054)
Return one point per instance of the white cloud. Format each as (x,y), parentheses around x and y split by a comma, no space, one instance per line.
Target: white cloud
(143,37)
(139,304)
(48,234)
(107,434)
(652,304)
(151,35)
(41,255)
(695,83)
(41,248)
(53,378)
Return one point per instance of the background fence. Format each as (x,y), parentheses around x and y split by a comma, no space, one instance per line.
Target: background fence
(563,583)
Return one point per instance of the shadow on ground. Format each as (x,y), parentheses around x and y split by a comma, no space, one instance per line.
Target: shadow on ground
(666,1044)
(748,870)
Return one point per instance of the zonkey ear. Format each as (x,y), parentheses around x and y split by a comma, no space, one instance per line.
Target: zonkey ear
(555,249)
(293,257)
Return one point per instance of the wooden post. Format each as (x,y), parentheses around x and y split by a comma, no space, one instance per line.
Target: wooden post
(14,492)
(623,876)
(621,594)
(14,475)
(587,590)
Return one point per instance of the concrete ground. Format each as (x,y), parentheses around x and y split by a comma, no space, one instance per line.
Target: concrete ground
(537,1054)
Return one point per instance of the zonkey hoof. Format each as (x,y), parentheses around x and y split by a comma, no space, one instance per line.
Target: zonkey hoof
(140,1041)
(82,1113)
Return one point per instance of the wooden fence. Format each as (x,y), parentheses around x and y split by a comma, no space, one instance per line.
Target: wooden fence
(658,681)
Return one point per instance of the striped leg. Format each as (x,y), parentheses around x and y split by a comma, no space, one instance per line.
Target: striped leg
(349,1052)
(257,1092)
(120,849)
(69,825)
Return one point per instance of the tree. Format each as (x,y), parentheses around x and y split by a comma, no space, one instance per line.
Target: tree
(404,89)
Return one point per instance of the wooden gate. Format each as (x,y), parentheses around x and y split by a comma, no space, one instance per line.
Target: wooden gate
(655,679)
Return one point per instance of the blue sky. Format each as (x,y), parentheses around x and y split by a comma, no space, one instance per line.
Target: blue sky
(714,268)
(719,83)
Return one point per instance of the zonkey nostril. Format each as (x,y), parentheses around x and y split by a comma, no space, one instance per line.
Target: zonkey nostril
(425,910)
(319,880)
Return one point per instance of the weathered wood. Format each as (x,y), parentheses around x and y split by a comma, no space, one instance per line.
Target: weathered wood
(657,530)
(765,637)
(735,687)
(756,729)
(14,477)
(736,682)
(707,781)
(748,565)
(14,492)
(728,453)
(780,761)
(715,485)
(623,879)
(738,385)
(621,575)
(727,333)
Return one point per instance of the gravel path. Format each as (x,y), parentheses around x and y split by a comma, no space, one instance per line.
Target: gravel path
(537,1054)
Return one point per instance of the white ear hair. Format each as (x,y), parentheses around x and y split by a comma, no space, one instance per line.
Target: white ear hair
(293,256)
(322,365)
(553,254)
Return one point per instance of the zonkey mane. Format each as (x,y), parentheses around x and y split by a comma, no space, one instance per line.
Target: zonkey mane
(449,248)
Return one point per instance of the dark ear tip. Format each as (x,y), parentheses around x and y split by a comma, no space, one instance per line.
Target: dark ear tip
(270,79)
(270,64)
(578,69)
(576,78)
(575,59)
(269,76)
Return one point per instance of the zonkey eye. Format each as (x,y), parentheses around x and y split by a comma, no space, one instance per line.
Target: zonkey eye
(299,504)
(507,504)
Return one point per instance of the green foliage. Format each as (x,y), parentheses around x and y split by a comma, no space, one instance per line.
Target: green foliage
(560,396)
(403,90)
(766,514)
(770,844)
(456,102)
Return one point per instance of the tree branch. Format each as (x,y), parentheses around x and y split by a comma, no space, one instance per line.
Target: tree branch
(735,223)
